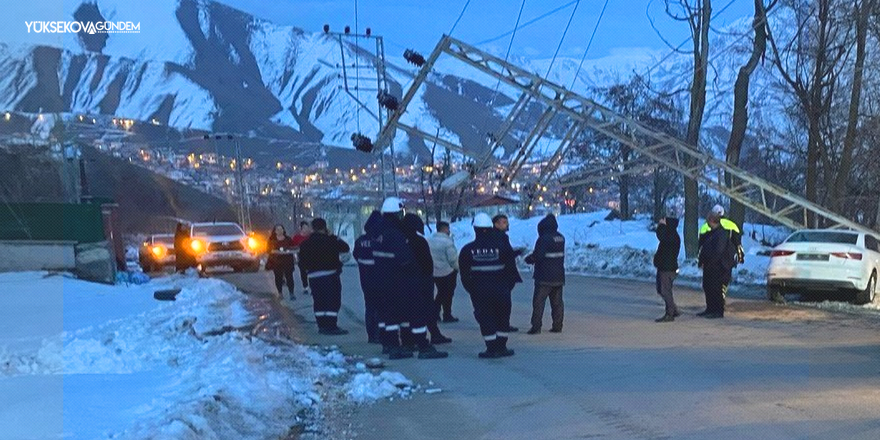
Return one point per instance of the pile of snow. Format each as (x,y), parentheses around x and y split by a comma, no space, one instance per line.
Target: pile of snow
(134,367)
(625,249)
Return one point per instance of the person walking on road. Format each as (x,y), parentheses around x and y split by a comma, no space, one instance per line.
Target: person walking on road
(281,260)
(445,257)
(666,263)
(319,255)
(305,230)
(421,310)
(549,260)
(370,279)
(183,253)
(718,256)
(501,226)
(488,269)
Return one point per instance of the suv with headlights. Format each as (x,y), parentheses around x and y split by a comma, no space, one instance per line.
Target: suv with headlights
(157,252)
(224,244)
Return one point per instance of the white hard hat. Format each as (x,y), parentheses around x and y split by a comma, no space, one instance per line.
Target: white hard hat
(392,204)
(718,210)
(482,220)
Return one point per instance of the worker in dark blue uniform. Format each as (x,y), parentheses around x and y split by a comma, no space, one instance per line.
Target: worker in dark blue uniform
(393,256)
(370,282)
(420,307)
(319,255)
(488,270)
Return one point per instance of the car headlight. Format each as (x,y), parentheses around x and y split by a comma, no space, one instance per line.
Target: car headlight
(159,251)
(253,244)
(198,246)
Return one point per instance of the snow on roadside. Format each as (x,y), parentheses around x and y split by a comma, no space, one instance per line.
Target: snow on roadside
(184,369)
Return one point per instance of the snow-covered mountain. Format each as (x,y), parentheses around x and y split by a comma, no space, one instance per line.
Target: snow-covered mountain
(202,65)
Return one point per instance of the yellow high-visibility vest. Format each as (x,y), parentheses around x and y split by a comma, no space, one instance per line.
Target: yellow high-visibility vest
(725,223)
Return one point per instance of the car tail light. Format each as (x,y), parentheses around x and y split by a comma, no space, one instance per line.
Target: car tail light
(198,246)
(847,255)
(159,251)
(781,253)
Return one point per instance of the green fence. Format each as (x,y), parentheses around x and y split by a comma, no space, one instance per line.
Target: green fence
(82,223)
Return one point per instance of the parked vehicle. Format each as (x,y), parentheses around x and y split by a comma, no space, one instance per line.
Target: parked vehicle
(157,252)
(828,261)
(225,244)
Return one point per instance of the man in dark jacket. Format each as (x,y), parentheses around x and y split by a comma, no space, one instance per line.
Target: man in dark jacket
(718,256)
(183,253)
(501,226)
(549,260)
(319,255)
(281,259)
(420,308)
(393,257)
(370,282)
(487,268)
(666,262)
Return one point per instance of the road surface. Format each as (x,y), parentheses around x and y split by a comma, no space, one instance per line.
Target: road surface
(768,371)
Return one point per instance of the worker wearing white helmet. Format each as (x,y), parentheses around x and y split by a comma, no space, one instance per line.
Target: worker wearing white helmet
(393,259)
(488,267)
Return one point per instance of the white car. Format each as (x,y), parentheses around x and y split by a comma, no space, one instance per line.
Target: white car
(224,244)
(825,260)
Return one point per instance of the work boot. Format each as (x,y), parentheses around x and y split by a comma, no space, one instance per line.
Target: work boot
(429,352)
(704,313)
(407,341)
(665,318)
(512,329)
(491,350)
(440,339)
(676,314)
(713,315)
(399,353)
(333,331)
(556,330)
(534,331)
(450,318)
(502,348)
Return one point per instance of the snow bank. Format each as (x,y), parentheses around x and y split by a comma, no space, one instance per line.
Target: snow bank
(595,246)
(133,367)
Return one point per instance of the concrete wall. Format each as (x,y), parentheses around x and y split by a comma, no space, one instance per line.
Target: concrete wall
(25,255)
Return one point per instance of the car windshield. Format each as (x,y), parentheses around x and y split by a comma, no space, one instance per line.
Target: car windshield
(823,237)
(217,230)
(163,239)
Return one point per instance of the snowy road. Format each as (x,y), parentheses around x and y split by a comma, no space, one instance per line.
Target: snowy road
(776,372)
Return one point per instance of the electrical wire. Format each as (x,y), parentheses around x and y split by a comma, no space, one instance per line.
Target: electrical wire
(589,44)
(530,22)
(357,69)
(561,40)
(506,56)
(459,17)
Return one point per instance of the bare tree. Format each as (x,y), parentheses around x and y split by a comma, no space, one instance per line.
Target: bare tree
(698,16)
(741,100)
(810,64)
(861,12)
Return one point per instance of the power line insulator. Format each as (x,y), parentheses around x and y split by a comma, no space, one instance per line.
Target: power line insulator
(388,101)
(347,30)
(362,143)
(326,28)
(369,32)
(414,57)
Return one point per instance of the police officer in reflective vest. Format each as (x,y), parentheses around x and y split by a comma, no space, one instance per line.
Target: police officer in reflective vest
(319,255)
(488,269)
(727,225)
(370,281)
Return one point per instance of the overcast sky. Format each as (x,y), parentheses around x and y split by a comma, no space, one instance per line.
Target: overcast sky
(420,23)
